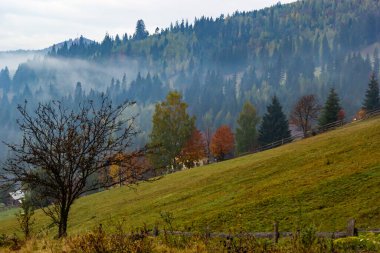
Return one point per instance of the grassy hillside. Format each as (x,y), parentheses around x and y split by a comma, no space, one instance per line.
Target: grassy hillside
(322,180)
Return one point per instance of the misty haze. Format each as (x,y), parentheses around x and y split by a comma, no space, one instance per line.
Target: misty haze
(281,97)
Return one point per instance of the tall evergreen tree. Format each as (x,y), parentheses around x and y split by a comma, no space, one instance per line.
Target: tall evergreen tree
(246,133)
(141,32)
(274,126)
(371,100)
(5,80)
(106,45)
(331,109)
(117,41)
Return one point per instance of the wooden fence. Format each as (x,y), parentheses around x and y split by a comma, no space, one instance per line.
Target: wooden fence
(351,230)
(312,132)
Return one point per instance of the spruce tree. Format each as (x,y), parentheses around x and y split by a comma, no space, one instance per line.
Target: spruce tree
(140,33)
(5,79)
(246,133)
(331,109)
(274,126)
(371,100)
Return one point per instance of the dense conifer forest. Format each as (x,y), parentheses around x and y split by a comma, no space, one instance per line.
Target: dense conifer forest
(218,64)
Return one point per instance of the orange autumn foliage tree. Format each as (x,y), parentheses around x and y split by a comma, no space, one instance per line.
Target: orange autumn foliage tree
(116,172)
(222,142)
(131,168)
(194,149)
(360,114)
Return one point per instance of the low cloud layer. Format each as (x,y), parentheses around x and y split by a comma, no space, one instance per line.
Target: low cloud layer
(11,60)
(37,24)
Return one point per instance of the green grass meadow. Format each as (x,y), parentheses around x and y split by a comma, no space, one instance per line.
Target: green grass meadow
(323,180)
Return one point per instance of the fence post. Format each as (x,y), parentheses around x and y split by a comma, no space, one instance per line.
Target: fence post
(207,233)
(155,230)
(276,234)
(351,230)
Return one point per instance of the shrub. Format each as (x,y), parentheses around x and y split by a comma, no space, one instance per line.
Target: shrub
(25,216)
(363,243)
(98,241)
(11,242)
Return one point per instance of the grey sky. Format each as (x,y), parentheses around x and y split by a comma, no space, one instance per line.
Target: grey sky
(36,24)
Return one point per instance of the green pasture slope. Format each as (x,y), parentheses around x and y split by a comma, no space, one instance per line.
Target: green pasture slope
(323,180)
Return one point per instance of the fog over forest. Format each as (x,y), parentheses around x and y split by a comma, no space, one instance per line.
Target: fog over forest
(216,63)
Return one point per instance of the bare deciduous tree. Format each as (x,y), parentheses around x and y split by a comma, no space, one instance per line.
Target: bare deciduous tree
(64,152)
(304,112)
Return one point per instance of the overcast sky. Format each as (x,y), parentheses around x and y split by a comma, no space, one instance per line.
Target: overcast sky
(37,24)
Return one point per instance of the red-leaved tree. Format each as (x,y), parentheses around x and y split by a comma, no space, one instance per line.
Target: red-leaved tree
(194,149)
(341,114)
(222,142)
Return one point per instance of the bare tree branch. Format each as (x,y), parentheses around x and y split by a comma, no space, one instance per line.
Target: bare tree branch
(65,151)
(304,112)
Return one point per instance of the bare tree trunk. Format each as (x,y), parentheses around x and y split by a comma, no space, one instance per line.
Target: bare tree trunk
(305,127)
(175,165)
(208,141)
(304,130)
(120,177)
(62,231)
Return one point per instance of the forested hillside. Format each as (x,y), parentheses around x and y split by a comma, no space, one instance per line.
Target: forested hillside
(289,50)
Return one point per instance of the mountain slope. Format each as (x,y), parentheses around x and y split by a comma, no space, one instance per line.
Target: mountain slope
(290,50)
(323,180)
